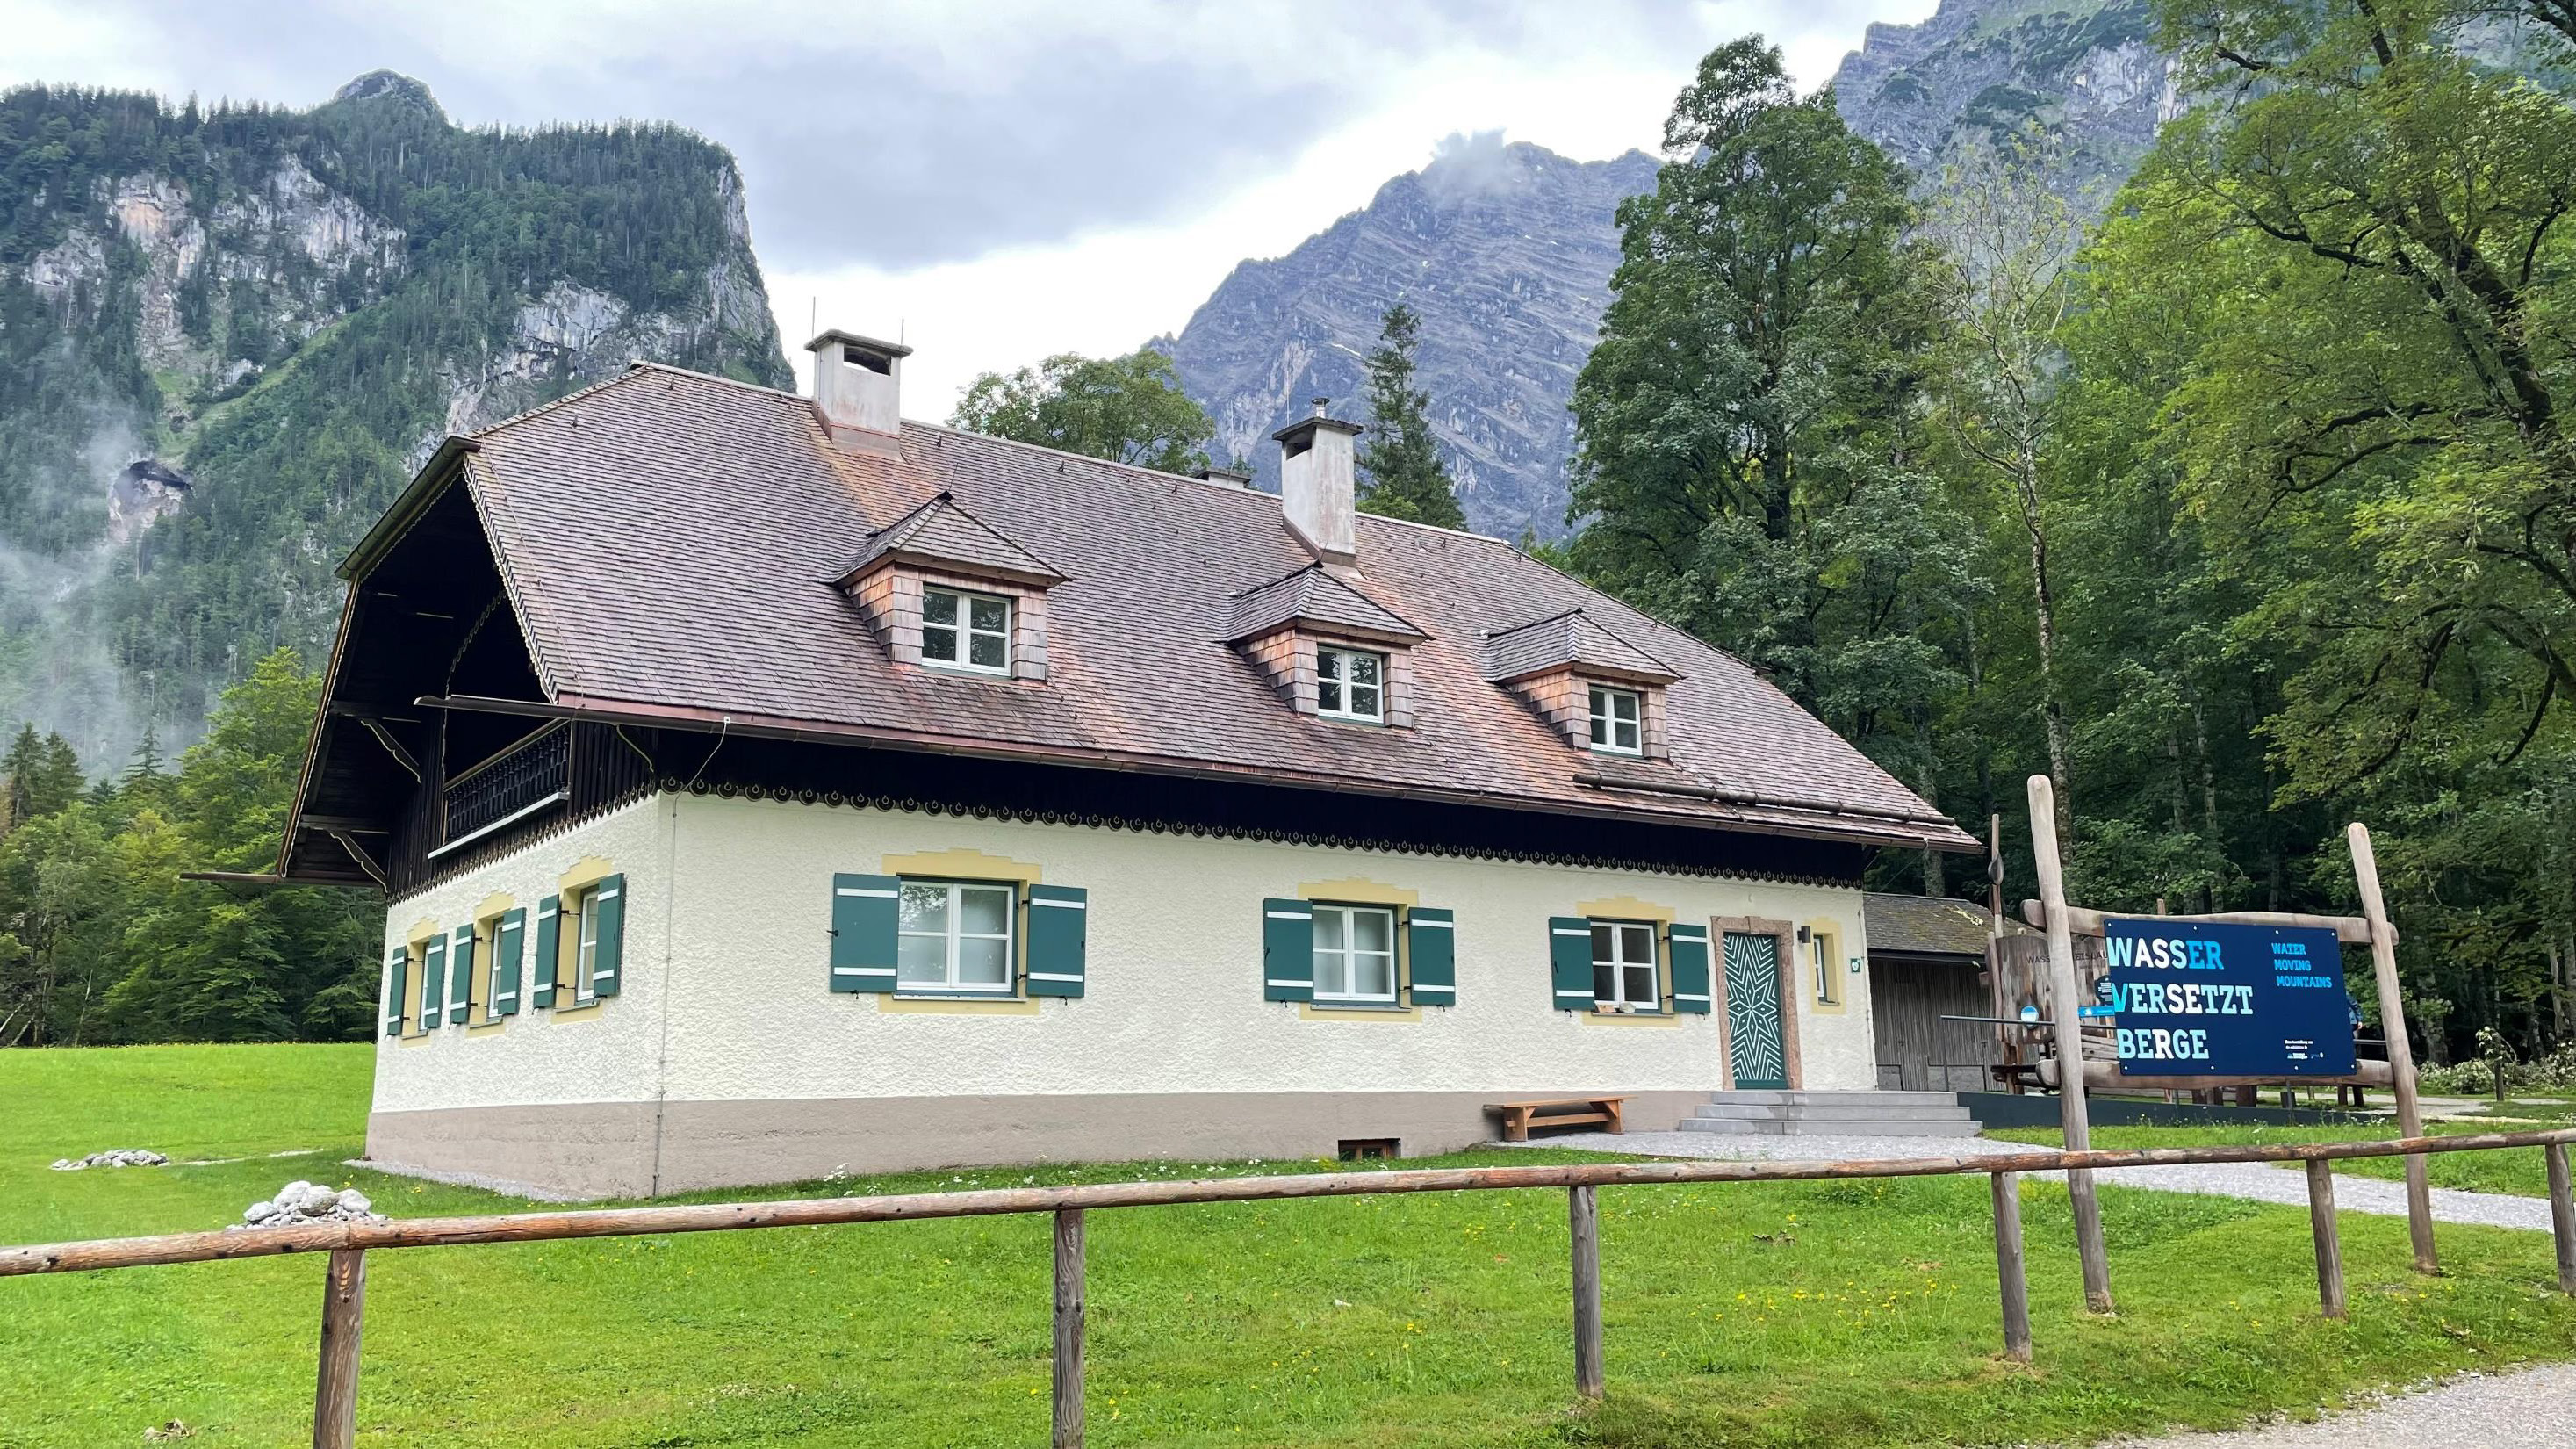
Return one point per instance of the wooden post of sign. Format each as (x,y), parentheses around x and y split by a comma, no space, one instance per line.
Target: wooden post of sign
(2321,1226)
(2401,1054)
(2065,1004)
(1583,1214)
(344,1315)
(2562,1215)
(2010,1283)
(1068,1329)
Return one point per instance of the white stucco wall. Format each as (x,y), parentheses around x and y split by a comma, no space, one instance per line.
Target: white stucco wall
(740,891)
(606,1053)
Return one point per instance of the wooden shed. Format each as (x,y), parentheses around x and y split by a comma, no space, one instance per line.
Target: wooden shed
(1927,961)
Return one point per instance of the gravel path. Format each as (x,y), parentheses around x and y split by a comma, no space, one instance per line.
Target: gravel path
(2223,1179)
(2532,1409)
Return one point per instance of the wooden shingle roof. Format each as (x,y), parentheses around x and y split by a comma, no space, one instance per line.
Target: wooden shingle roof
(670,541)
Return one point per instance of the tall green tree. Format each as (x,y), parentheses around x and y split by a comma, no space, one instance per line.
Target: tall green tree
(43,775)
(1754,461)
(1127,409)
(1405,476)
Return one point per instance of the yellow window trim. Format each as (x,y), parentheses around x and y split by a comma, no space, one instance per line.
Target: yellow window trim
(965,865)
(1628,1018)
(1826,933)
(1625,908)
(1629,908)
(415,946)
(1308,1011)
(952,1006)
(1358,892)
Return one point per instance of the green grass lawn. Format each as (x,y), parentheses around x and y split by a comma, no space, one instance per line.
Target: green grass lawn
(2518,1171)
(1827,1314)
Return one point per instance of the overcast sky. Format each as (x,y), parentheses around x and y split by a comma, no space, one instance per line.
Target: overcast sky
(998,179)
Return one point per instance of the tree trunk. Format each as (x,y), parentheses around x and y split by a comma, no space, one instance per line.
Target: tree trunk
(2215,843)
(2044,610)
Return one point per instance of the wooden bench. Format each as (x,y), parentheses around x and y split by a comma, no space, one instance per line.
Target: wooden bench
(1520,1117)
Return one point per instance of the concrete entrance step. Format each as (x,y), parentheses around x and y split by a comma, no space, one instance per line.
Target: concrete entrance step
(1833,1114)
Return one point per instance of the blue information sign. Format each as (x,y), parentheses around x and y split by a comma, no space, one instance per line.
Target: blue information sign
(2193,998)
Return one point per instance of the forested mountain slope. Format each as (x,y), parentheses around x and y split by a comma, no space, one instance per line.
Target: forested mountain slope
(228,335)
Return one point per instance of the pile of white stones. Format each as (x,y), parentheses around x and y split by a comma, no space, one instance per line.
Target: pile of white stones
(298,1203)
(116,1157)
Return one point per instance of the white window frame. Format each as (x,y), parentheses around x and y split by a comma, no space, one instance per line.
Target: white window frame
(1820,957)
(1341,682)
(1349,952)
(955,931)
(966,631)
(1605,720)
(1623,933)
(585,947)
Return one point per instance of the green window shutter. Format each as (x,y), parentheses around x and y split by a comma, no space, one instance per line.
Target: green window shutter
(605,969)
(1689,954)
(509,944)
(1059,939)
(460,975)
(863,932)
(1569,956)
(1430,944)
(395,970)
(541,972)
(433,982)
(1287,951)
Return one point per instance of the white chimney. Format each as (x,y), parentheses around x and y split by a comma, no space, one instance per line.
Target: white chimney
(858,387)
(1316,464)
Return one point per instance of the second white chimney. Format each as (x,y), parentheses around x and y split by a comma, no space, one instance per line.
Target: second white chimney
(1317,464)
(858,387)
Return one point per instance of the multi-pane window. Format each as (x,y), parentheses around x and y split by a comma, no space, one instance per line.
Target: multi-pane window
(1614,720)
(1350,684)
(585,951)
(1820,958)
(1354,954)
(1623,965)
(966,631)
(954,937)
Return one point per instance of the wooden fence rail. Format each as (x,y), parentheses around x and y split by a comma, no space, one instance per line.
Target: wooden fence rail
(344,1292)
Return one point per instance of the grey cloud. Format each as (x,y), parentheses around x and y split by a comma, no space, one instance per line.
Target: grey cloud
(875,156)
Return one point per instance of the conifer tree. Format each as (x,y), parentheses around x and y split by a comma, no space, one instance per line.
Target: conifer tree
(1405,476)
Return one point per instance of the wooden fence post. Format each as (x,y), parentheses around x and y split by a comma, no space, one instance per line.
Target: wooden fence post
(344,1313)
(2008,1268)
(1584,1216)
(2562,1215)
(1068,1329)
(2401,1053)
(2321,1225)
(2065,1003)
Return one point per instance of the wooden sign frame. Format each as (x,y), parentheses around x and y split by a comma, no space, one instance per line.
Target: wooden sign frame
(2064,922)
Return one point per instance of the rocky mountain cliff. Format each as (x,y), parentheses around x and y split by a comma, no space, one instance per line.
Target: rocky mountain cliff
(1505,250)
(2082,72)
(228,336)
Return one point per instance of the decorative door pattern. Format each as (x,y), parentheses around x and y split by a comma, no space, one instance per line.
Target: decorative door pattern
(1753,1033)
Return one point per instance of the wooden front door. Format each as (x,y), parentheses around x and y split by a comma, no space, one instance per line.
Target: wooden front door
(1756,1048)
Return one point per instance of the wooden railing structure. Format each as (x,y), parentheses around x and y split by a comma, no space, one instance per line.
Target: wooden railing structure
(335,1400)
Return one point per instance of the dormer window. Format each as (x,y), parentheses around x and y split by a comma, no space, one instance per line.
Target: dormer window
(960,630)
(1350,684)
(1617,720)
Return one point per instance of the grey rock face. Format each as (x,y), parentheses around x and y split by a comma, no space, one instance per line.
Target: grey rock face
(1505,250)
(2082,72)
